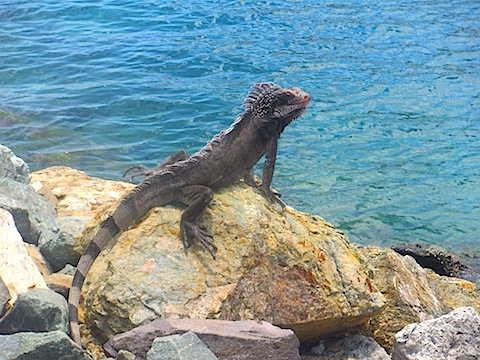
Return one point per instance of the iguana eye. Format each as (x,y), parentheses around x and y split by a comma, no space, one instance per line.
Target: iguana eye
(289,95)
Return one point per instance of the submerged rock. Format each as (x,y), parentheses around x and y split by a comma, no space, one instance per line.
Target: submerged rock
(449,337)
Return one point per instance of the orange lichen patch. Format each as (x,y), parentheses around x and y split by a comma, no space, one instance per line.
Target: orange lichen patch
(369,284)
(149,265)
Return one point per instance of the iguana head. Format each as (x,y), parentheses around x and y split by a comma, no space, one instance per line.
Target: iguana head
(276,107)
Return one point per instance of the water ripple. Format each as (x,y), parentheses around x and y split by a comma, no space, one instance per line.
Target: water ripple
(388,150)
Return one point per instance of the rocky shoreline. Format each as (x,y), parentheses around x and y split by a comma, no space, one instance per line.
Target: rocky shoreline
(284,286)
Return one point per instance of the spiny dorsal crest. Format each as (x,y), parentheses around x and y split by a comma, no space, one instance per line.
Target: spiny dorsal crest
(260,95)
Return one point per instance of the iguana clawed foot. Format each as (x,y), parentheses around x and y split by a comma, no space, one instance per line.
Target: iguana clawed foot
(192,233)
(273,197)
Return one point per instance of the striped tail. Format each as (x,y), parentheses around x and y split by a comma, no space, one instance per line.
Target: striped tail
(133,206)
(108,230)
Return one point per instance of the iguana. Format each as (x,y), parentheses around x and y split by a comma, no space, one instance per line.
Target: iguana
(229,156)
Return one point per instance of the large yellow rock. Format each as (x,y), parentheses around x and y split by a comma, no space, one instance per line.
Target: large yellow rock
(291,269)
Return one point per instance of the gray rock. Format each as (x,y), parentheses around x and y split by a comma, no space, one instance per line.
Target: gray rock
(63,249)
(37,310)
(5,297)
(226,339)
(450,337)
(68,270)
(40,346)
(125,355)
(180,347)
(12,166)
(33,215)
(357,347)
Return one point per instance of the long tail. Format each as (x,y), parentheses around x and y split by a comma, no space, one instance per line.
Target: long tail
(132,207)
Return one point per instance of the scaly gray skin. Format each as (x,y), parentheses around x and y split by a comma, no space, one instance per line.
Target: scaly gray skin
(192,180)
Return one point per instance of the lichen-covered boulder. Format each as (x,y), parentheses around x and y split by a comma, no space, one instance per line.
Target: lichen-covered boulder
(290,269)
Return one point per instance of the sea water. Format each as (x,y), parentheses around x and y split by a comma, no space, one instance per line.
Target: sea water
(388,150)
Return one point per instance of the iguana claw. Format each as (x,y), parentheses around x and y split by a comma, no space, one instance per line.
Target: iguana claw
(192,233)
(274,198)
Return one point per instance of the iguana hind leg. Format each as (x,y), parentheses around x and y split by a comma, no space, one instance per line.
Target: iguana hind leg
(146,172)
(197,197)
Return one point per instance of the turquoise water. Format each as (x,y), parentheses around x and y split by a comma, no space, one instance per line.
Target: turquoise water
(388,150)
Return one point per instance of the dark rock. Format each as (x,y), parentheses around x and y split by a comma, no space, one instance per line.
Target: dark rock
(449,337)
(34,216)
(125,355)
(5,297)
(435,259)
(357,347)
(226,339)
(55,345)
(67,270)
(13,167)
(179,347)
(63,249)
(37,310)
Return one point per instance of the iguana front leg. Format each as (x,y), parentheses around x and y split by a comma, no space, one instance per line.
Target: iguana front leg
(267,176)
(146,172)
(197,197)
(268,169)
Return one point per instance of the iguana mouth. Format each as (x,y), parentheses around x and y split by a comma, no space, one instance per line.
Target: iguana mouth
(306,100)
(304,97)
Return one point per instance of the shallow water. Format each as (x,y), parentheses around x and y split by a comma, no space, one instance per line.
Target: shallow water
(388,150)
